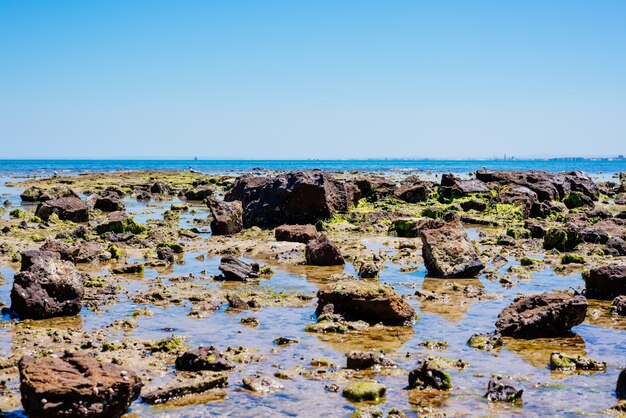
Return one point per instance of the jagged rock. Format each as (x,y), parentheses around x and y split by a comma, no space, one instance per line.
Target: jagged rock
(426,376)
(49,287)
(166,254)
(448,252)
(88,252)
(561,361)
(412,228)
(67,209)
(369,270)
(360,360)
(198,194)
(451,186)
(300,197)
(371,302)
(203,358)
(500,389)
(374,187)
(233,269)
(160,188)
(295,233)
(413,193)
(618,307)
(76,385)
(227,217)
(605,282)
(544,315)
(322,252)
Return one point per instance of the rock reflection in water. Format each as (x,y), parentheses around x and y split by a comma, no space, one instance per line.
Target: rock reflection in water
(385,338)
(451,304)
(537,351)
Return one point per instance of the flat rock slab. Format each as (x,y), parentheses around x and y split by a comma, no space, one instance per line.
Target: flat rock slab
(77,385)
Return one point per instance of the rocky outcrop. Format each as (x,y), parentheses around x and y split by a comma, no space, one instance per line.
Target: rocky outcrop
(299,197)
(67,209)
(76,385)
(618,307)
(413,191)
(227,217)
(547,186)
(49,287)
(544,315)
(233,269)
(374,187)
(296,233)
(322,252)
(160,188)
(359,300)
(605,282)
(448,252)
(37,194)
(198,194)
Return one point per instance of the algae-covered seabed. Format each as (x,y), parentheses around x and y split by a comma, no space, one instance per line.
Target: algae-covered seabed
(122,317)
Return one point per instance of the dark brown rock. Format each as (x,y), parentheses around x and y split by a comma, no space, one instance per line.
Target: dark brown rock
(413,193)
(198,194)
(109,203)
(227,217)
(500,389)
(452,186)
(374,187)
(620,389)
(295,233)
(322,252)
(361,360)
(618,307)
(300,197)
(605,282)
(544,315)
(371,302)
(615,246)
(160,188)
(67,209)
(37,194)
(49,287)
(76,385)
(203,358)
(448,252)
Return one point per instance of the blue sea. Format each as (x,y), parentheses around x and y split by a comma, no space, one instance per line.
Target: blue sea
(603,168)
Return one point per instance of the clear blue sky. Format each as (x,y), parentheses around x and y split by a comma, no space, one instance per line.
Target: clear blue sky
(312,79)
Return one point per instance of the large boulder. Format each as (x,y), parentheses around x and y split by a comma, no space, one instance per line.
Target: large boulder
(295,233)
(605,282)
(413,190)
(322,252)
(300,197)
(227,217)
(615,246)
(371,302)
(49,287)
(547,186)
(233,269)
(448,252)
(563,238)
(544,315)
(67,209)
(77,385)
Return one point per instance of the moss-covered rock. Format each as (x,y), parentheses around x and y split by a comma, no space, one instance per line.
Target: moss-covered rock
(426,376)
(563,362)
(486,342)
(364,391)
(562,238)
(573,259)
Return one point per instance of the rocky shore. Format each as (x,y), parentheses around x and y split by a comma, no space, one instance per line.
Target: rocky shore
(282,293)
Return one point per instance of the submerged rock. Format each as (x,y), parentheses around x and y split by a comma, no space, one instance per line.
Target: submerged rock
(448,252)
(296,233)
(179,390)
(299,197)
(544,315)
(452,186)
(486,342)
(66,208)
(203,358)
(233,269)
(371,302)
(322,252)
(500,389)
(261,384)
(426,376)
(605,282)
(49,287)
(76,385)
(227,217)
